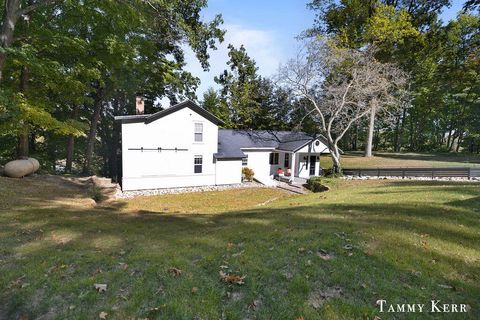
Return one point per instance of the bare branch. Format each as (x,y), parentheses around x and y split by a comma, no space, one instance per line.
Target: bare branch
(343,86)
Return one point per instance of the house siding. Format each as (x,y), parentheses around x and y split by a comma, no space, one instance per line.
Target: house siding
(258,161)
(164,169)
(228,171)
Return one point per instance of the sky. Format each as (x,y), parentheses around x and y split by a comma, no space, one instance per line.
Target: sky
(267,29)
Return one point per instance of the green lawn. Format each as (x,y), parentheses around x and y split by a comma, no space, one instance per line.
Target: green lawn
(385,159)
(403,241)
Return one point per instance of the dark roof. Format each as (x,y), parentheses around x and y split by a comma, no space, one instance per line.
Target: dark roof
(230,142)
(147,118)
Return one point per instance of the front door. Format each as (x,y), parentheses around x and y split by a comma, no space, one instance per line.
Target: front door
(313,159)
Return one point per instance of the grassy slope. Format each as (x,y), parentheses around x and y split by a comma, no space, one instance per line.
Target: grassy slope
(384,159)
(408,238)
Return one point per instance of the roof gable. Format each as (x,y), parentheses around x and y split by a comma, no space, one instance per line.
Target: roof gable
(160,114)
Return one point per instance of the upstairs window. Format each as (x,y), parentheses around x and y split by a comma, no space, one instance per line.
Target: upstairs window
(199,132)
(244,162)
(197,164)
(274,158)
(286,163)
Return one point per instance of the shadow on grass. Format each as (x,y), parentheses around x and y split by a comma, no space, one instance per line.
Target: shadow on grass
(51,254)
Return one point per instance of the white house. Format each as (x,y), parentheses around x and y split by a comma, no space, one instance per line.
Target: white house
(183,146)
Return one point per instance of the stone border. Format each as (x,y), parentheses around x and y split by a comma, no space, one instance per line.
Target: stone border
(155,192)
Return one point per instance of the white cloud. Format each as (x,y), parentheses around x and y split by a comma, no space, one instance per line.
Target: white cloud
(261,45)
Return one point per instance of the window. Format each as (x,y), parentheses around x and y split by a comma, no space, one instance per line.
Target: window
(286,163)
(198,132)
(244,162)
(197,164)
(273,158)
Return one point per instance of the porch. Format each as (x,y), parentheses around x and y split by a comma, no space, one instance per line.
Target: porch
(294,167)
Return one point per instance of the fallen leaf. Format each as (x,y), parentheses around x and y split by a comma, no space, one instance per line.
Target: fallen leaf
(103,315)
(194,290)
(100,287)
(232,278)
(175,271)
(123,265)
(301,250)
(324,255)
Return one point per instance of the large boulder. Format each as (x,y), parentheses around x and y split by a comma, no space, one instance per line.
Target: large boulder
(21,168)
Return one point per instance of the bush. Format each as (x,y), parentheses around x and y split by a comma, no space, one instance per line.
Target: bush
(96,193)
(328,172)
(316,184)
(247,174)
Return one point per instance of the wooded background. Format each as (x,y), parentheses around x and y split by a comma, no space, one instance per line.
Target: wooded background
(67,67)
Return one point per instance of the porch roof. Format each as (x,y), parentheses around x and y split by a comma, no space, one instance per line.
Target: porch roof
(231,142)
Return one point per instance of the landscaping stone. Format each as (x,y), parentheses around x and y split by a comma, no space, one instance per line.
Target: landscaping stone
(154,192)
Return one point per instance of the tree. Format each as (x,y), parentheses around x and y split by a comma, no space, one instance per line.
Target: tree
(212,102)
(12,11)
(247,100)
(341,84)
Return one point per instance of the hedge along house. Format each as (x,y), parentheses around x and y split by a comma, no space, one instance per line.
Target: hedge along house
(182,146)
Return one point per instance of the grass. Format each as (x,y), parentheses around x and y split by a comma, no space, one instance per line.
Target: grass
(385,159)
(411,242)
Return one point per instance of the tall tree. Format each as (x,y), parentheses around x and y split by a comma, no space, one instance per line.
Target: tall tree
(340,84)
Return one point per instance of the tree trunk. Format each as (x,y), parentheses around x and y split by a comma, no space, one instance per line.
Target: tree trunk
(335,155)
(9,20)
(71,144)
(115,142)
(371,127)
(402,130)
(337,166)
(23,141)
(459,141)
(355,139)
(92,135)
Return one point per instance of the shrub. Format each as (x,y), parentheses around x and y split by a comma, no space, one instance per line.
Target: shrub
(96,193)
(247,173)
(316,184)
(328,172)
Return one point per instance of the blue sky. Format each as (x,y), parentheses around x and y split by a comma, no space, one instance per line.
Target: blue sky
(267,29)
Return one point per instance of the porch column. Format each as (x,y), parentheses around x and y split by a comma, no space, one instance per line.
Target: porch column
(292,164)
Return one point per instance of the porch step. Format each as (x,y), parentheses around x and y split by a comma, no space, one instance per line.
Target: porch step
(291,188)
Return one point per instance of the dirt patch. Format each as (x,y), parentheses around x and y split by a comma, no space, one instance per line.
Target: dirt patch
(319,297)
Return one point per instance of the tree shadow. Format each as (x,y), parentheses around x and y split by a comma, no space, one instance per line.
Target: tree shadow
(396,251)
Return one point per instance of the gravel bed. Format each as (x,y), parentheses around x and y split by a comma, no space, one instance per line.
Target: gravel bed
(476,179)
(154,192)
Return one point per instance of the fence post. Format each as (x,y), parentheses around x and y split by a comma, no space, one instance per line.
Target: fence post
(469,173)
(403,173)
(433,173)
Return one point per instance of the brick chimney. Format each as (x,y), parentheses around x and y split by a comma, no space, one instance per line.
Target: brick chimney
(140,105)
